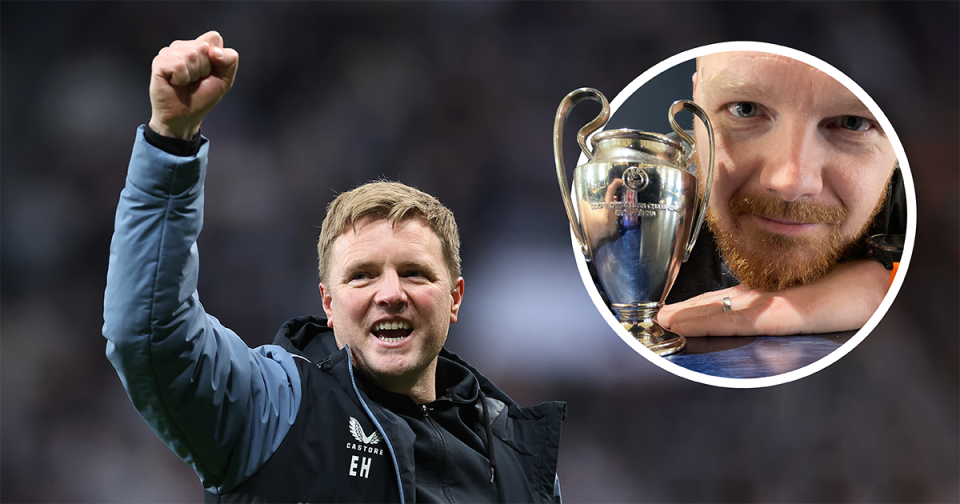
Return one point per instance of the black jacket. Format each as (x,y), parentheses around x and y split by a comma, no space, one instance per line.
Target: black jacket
(354,442)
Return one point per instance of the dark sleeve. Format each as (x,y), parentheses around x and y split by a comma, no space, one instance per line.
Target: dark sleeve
(176,146)
(892,218)
(703,272)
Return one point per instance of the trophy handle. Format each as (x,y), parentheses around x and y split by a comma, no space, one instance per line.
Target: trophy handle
(693,108)
(563,111)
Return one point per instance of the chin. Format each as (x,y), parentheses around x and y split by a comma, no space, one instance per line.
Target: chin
(776,269)
(773,262)
(395,369)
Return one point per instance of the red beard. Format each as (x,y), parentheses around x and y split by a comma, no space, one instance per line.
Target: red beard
(771,261)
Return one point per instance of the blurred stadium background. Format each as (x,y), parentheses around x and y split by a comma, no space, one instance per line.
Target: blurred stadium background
(458,99)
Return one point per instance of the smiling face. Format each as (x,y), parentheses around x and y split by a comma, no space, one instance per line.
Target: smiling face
(390,296)
(801,166)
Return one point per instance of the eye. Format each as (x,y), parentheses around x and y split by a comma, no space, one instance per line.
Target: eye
(417,273)
(744,109)
(854,123)
(359,275)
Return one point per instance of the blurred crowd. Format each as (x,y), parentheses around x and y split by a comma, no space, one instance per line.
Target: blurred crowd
(457,99)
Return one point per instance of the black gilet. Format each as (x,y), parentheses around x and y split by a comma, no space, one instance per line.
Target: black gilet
(353,442)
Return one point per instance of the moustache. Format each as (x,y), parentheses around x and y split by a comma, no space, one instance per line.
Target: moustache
(800,212)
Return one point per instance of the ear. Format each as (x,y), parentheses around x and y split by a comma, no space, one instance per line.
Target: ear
(327,303)
(457,296)
(694,79)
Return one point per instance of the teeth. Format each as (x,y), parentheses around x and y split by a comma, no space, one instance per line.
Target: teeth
(392,326)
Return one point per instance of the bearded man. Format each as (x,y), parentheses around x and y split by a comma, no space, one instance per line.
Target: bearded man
(803,174)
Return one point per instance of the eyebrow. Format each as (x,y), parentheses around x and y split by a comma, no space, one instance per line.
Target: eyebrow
(849,102)
(350,268)
(419,266)
(728,79)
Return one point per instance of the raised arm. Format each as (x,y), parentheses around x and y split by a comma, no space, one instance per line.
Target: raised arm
(220,406)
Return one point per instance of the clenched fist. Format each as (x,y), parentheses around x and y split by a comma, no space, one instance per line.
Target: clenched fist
(188,79)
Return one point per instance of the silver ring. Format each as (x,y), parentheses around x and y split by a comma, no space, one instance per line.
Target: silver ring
(726,305)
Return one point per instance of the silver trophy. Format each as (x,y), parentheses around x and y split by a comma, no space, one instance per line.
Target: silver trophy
(632,209)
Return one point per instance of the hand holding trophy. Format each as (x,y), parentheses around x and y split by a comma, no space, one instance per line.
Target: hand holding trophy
(634,211)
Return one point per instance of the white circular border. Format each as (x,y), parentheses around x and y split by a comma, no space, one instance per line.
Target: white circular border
(897,280)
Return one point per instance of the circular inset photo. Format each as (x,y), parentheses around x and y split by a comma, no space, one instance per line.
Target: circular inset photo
(743,213)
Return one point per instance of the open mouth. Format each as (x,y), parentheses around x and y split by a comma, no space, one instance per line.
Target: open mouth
(392,332)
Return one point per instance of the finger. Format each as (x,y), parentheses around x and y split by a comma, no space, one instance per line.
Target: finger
(224,60)
(735,292)
(197,62)
(201,64)
(183,62)
(709,303)
(715,324)
(171,67)
(187,67)
(225,63)
(212,37)
(774,316)
(676,315)
(707,299)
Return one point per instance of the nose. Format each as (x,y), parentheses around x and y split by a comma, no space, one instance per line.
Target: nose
(390,293)
(794,167)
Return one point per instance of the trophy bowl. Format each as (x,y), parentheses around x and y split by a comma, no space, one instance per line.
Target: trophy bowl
(635,210)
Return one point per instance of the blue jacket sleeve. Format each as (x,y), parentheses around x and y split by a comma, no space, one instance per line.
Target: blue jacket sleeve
(220,406)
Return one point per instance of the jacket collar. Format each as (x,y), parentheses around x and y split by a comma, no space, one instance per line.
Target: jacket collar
(309,336)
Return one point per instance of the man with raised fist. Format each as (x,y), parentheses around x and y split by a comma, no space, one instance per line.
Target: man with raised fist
(362,405)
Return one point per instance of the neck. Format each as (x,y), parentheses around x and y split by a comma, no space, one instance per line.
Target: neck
(420,388)
(423,395)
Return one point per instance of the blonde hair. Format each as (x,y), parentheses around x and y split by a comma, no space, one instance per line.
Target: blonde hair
(394,202)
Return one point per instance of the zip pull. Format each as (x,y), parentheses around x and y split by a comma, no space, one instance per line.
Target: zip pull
(493,471)
(426,410)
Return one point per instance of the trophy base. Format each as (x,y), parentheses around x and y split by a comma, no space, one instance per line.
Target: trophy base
(638,321)
(656,338)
